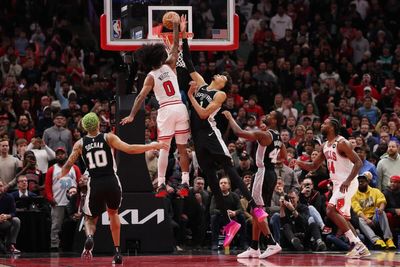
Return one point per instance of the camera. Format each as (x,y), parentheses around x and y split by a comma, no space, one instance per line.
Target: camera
(287,198)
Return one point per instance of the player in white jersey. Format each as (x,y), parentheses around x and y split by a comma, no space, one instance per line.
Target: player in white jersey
(343,165)
(173,117)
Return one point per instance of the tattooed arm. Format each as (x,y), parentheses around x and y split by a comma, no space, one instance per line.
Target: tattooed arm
(76,152)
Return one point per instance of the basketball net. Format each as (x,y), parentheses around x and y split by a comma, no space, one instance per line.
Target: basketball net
(168,39)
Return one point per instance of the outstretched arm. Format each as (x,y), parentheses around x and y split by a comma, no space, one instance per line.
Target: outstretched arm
(312,166)
(115,142)
(174,53)
(215,104)
(259,136)
(76,152)
(187,58)
(344,146)
(147,87)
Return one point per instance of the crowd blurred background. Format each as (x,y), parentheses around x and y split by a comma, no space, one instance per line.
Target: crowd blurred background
(309,59)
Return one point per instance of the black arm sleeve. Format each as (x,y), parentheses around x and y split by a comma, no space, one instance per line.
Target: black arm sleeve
(186,56)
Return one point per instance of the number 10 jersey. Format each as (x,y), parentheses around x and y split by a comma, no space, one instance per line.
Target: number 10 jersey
(98,156)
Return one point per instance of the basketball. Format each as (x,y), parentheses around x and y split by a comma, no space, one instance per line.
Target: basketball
(168,18)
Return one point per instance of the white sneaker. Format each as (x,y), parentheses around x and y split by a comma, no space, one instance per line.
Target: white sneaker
(271,250)
(359,250)
(250,253)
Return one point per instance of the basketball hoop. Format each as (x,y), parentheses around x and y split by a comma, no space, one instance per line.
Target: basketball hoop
(168,39)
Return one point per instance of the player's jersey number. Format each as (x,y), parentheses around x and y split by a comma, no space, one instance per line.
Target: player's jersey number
(97,159)
(169,88)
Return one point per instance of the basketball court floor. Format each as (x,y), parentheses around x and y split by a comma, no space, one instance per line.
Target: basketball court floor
(204,258)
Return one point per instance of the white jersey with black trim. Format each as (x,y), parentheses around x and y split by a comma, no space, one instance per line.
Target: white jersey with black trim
(166,87)
(339,167)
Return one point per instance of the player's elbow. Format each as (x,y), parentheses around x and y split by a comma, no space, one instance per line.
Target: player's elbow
(203,115)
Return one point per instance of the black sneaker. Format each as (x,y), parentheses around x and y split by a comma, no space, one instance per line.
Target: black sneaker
(183,190)
(117,258)
(321,246)
(87,250)
(162,191)
(297,244)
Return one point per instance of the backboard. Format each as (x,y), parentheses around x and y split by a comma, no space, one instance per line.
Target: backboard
(126,25)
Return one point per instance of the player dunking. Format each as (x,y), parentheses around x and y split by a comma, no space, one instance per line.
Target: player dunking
(270,149)
(104,189)
(343,165)
(210,148)
(173,117)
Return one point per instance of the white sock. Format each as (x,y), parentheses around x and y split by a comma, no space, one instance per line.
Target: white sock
(161,180)
(352,238)
(185,178)
(162,166)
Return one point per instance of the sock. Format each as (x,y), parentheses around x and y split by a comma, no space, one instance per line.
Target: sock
(270,240)
(117,249)
(254,244)
(162,166)
(160,181)
(185,178)
(352,238)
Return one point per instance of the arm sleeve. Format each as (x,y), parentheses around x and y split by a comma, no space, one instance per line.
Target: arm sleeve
(187,58)
(29,147)
(48,185)
(50,153)
(60,97)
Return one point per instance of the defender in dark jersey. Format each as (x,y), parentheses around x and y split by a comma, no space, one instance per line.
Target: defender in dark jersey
(211,150)
(104,189)
(270,150)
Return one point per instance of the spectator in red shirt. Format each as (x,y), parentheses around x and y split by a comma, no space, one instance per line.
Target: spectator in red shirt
(253,108)
(359,89)
(24,129)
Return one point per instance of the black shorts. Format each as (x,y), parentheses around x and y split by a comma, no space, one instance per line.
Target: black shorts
(103,193)
(209,145)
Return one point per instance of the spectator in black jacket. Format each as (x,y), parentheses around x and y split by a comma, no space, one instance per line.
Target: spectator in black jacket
(195,211)
(235,212)
(392,195)
(316,204)
(9,224)
(296,228)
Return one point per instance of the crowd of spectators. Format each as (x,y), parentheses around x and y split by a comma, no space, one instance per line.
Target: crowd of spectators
(308,59)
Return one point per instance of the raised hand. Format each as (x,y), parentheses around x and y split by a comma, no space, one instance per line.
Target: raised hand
(183,23)
(161,145)
(126,120)
(193,87)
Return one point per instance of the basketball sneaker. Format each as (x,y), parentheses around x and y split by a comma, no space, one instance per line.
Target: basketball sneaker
(162,191)
(390,244)
(88,247)
(326,230)
(183,190)
(250,253)
(271,250)
(260,214)
(359,250)
(230,231)
(117,258)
